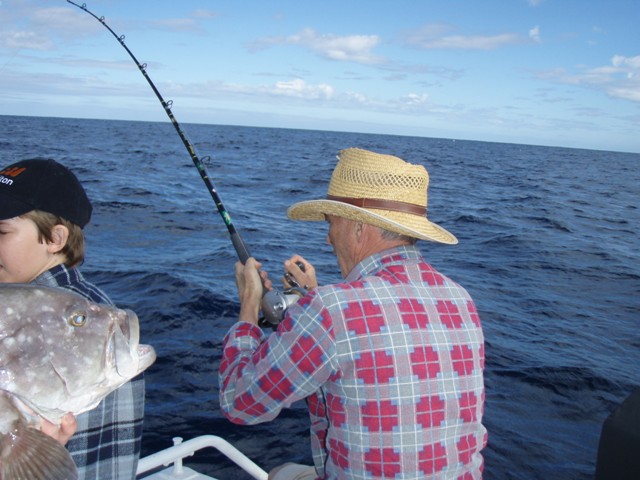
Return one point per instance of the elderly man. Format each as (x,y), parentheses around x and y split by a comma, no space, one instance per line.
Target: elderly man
(390,359)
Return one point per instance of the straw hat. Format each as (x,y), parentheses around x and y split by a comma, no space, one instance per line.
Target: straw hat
(380,190)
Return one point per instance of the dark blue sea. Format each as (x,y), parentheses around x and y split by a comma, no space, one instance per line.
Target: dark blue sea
(548,248)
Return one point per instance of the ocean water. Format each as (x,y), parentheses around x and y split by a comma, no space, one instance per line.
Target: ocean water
(548,249)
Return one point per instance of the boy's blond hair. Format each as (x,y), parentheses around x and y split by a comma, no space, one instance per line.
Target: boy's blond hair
(73,249)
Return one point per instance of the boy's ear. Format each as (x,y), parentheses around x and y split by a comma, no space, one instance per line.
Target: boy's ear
(59,237)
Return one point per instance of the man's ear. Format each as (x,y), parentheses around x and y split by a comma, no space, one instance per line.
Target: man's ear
(59,237)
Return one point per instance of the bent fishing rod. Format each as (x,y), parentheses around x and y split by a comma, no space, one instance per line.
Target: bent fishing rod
(236,239)
(274,303)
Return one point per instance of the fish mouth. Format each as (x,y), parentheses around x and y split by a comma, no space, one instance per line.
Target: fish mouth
(131,357)
(146,356)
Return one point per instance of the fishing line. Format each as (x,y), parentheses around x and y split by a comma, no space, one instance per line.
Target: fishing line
(274,303)
(239,245)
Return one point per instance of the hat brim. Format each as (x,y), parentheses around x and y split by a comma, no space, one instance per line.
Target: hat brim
(414,226)
(11,208)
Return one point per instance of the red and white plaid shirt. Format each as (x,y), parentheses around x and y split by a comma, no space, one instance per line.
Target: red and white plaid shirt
(391,363)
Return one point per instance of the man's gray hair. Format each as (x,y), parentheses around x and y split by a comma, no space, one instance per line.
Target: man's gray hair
(387,235)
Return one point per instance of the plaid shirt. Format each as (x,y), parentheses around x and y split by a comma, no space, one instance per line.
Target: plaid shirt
(107,444)
(391,364)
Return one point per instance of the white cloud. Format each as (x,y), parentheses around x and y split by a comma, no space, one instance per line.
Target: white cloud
(300,89)
(202,13)
(620,79)
(39,28)
(347,48)
(358,98)
(414,99)
(631,63)
(534,34)
(437,36)
(63,21)
(192,23)
(296,89)
(631,92)
(25,40)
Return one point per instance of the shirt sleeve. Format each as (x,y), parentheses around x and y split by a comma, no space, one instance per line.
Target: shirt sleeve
(260,375)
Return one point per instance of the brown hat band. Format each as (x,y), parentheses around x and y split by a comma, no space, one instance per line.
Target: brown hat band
(381,204)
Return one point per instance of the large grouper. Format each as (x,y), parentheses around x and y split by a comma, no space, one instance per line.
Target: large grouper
(59,353)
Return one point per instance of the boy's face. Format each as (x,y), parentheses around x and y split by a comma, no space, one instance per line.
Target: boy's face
(22,257)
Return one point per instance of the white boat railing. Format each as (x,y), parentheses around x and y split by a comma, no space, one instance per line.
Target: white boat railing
(181,450)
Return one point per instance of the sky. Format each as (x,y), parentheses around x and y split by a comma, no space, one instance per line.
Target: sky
(540,72)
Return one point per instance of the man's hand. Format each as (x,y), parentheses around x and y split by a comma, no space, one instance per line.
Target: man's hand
(249,281)
(63,432)
(305,278)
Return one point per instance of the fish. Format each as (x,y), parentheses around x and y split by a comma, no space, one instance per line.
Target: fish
(59,353)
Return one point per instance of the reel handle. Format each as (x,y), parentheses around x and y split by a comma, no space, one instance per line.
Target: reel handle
(289,277)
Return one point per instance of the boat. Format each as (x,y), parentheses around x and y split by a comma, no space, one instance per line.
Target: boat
(167,464)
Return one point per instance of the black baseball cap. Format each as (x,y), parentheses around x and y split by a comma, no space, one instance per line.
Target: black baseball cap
(43,184)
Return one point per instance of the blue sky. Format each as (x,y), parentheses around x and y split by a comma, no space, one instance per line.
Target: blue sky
(542,72)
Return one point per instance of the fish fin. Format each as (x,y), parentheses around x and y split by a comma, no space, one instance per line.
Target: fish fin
(29,454)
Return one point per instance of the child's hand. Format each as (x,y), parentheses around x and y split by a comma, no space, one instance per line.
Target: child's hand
(63,432)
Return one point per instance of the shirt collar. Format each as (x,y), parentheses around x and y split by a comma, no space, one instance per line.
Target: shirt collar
(378,261)
(58,276)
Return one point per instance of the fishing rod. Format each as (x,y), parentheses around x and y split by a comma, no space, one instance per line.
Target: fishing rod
(236,239)
(274,303)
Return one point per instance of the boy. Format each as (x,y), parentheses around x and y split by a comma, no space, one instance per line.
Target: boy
(43,208)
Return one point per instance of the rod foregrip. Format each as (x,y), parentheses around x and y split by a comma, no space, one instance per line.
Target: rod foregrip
(243,253)
(241,248)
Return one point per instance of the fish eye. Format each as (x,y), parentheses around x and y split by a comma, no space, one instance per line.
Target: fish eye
(77,319)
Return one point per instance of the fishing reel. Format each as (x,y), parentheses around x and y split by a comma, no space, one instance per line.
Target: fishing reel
(275,303)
